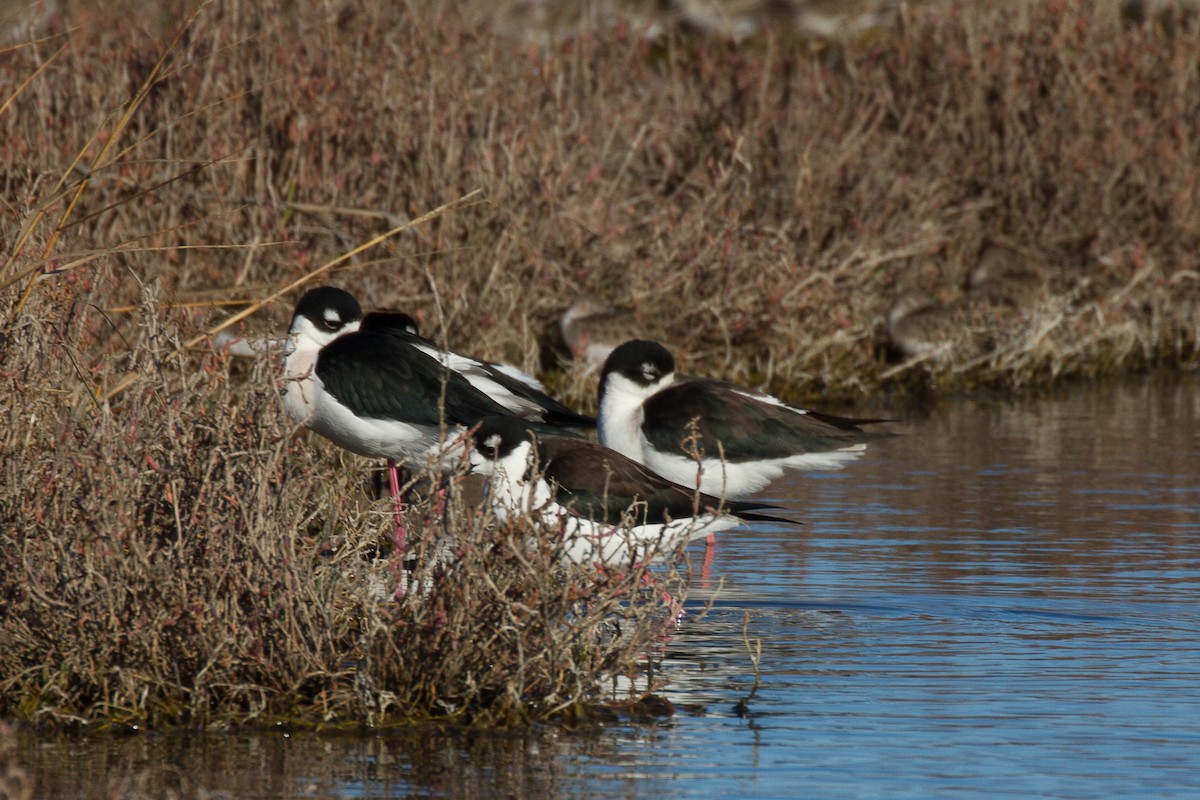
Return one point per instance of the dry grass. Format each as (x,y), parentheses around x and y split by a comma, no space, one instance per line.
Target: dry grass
(758,207)
(179,556)
(168,552)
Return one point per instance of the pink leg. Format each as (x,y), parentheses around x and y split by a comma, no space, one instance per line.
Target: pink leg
(399,534)
(710,550)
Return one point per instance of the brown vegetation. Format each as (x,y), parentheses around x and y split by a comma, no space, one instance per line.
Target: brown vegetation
(178,556)
(168,552)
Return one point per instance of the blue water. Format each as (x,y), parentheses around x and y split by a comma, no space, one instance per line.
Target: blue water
(1000,602)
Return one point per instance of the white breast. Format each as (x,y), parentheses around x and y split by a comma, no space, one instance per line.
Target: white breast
(299,383)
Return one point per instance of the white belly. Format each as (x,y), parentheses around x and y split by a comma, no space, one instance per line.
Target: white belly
(308,405)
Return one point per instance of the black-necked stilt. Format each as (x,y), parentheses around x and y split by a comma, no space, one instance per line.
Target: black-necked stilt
(727,440)
(372,390)
(611,511)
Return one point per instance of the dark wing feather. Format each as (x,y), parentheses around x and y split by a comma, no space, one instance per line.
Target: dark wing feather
(746,428)
(376,374)
(555,412)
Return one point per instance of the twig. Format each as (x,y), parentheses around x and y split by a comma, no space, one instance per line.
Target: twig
(912,362)
(16,92)
(390,217)
(742,707)
(84,258)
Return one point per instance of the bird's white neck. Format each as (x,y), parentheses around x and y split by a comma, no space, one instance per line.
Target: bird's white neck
(619,421)
(512,490)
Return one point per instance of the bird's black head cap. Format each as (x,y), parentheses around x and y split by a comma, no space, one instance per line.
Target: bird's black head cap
(329,308)
(642,361)
(497,436)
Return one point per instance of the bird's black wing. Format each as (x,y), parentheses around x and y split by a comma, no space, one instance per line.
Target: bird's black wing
(553,412)
(376,374)
(745,427)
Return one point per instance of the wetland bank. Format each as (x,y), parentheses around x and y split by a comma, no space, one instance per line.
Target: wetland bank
(171,553)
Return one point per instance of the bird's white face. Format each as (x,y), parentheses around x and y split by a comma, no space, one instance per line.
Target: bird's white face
(309,335)
(482,462)
(509,490)
(627,389)
(490,457)
(652,379)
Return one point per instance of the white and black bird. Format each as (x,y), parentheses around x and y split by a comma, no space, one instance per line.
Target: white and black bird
(370,390)
(728,440)
(609,510)
(376,388)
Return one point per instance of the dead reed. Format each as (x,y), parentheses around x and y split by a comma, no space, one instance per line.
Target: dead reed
(169,552)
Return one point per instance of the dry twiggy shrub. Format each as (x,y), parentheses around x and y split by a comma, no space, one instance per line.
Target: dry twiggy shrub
(177,555)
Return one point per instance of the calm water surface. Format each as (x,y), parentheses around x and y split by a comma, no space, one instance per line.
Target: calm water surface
(1001,602)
